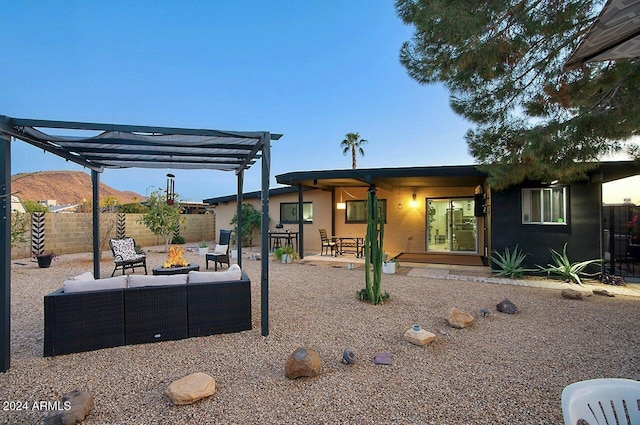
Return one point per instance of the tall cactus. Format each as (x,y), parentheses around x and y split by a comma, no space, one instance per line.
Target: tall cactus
(373,249)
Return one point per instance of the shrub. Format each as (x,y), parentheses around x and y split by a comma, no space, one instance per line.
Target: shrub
(567,270)
(510,263)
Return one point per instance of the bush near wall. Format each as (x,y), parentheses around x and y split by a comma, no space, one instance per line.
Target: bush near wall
(71,233)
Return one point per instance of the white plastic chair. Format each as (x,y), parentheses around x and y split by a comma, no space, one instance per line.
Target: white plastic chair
(602,401)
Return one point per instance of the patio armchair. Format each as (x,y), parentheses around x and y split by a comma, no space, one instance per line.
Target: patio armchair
(221,252)
(601,401)
(327,244)
(125,255)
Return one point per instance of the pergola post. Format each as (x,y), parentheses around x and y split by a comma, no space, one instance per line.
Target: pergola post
(300,223)
(95,185)
(264,226)
(5,254)
(239,215)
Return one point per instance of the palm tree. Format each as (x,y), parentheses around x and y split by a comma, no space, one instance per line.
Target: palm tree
(353,143)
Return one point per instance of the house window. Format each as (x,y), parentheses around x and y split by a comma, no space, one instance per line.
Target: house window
(356,211)
(544,206)
(289,212)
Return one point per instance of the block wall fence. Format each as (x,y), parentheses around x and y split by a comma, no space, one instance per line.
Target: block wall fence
(71,233)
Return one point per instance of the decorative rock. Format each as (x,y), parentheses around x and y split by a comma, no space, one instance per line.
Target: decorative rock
(80,404)
(302,362)
(191,388)
(573,294)
(600,291)
(421,337)
(348,356)
(506,306)
(485,312)
(383,358)
(459,319)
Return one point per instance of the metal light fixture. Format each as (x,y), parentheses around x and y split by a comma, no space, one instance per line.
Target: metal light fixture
(414,201)
(170,189)
(341,205)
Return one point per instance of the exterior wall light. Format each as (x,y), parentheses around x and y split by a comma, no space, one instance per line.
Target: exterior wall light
(414,201)
(341,205)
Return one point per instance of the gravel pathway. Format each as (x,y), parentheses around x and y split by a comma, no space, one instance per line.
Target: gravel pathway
(505,369)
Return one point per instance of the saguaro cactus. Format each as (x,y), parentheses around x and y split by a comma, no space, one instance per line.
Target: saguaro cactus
(373,248)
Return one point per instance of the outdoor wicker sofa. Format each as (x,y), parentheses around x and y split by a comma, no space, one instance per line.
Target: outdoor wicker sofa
(153,310)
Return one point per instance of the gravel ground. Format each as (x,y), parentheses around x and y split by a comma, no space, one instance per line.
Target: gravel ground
(505,369)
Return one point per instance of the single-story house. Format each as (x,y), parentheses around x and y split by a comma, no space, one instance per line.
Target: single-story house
(448,212)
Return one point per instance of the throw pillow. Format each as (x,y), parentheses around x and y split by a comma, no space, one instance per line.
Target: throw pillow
(221,249)
(234,273)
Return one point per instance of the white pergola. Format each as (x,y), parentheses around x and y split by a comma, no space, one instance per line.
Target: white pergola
(128,146)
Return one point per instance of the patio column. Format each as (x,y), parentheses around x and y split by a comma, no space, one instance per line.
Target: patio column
(95,186)
(239,215)
(300,223)
(5,254)
(264,226)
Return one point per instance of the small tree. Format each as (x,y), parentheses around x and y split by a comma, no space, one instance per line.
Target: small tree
(251,220)
(108,222)
(34,206)
(19,227)
(162,219)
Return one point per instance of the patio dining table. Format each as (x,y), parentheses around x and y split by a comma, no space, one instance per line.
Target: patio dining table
(278,239)
(349,244)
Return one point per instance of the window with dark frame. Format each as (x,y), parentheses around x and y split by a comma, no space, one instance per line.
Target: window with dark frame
(289,212)
(544,205)
(356,211)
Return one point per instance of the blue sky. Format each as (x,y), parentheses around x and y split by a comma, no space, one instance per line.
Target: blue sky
(310,70)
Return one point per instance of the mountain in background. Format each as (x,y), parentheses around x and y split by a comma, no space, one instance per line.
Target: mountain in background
(65,187)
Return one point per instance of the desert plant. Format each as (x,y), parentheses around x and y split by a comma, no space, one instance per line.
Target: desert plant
(203,244)
(510,263)
(373,252)
(567,270)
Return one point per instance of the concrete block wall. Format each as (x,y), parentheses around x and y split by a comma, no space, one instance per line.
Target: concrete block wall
(71,233)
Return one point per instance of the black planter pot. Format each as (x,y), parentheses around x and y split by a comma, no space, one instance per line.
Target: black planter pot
(44,261)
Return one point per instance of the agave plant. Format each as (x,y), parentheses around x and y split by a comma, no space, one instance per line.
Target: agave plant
(564,268)
(510,263)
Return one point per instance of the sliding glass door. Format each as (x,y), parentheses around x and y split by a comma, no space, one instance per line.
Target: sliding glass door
(451,225)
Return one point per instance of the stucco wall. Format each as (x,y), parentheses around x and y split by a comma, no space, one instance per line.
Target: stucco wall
(405,230)
(71,233)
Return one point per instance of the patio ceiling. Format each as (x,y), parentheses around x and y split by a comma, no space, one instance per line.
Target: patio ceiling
(387,178)
(124,146)
(614,35)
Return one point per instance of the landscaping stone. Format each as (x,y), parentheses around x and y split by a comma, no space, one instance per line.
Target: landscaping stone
(383,358)
(600,291)
(80,404)
(459,319)
(506,306)
(574,294)
(421,337)
(485,312)
(302,362)
(191,388)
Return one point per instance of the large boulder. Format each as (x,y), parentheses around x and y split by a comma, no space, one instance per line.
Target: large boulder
(191,388)
(302,362)
(459,319)
(76,405)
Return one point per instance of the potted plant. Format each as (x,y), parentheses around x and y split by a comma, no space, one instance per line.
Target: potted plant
(44,259)
(286,254)
(390,267)
(203,248)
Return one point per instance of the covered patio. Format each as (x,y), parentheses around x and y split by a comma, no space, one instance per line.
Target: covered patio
(124,146)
